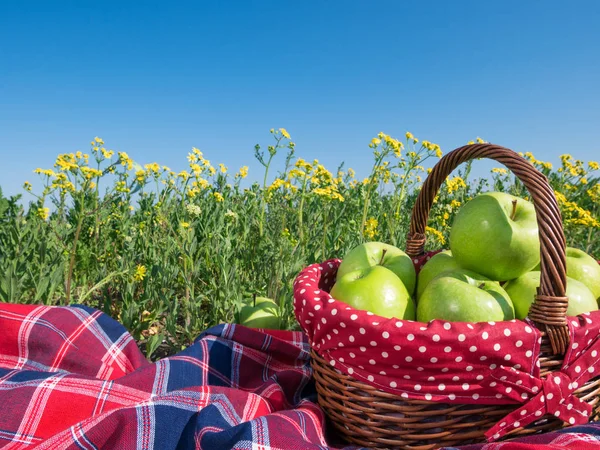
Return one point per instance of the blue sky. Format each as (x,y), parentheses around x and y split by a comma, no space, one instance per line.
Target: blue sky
(157,78)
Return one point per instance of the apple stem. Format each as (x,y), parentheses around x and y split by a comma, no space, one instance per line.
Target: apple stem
(514,210)
(254,300)
(481,286)
(382,256)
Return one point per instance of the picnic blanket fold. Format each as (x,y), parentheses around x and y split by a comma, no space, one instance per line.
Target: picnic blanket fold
(74,378)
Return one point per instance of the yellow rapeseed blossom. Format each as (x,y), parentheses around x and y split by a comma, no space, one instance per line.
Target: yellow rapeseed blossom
(439,237)
(593,165)
(480,141)
(98,140)
(89,172)
(304,165)
(140,273)
(107,153)
(375,142)
(330,192)
(454,184)
(470,142)
(140,176)
(121,186)
(371,228)
(296,173)
(409,136)
(583,181)
(222,168)
(455,204)
(43,213)
(201,183)
(212,170)
(500,170)
(576,214)
(184,224)
(125,160)
(284,133)
(218,197)
(152,167)
(66,162)
(243,172)
(27,186)
(183,174)
(47,172)
(594,193)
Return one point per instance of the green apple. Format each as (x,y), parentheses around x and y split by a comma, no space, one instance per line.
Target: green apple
(522,292)
(260,312)
(464,296)
(440,262)
(496,234)
(376,289)
(582,267)
(371,254)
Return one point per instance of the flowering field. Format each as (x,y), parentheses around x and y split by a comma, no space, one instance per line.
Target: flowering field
(169,254)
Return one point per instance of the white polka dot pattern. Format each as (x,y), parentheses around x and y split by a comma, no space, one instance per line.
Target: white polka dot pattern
(440,361)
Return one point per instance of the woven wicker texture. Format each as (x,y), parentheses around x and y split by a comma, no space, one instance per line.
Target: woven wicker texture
(367,416)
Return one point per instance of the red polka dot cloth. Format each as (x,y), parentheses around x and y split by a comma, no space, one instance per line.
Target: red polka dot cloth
(459,362)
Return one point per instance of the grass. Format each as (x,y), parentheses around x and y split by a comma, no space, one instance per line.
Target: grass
(170,254)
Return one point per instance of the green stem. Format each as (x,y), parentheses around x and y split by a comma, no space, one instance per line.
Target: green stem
(73,253)
(264,203)
(300,208)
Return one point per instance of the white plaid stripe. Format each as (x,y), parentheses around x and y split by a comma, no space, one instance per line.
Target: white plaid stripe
(35,409)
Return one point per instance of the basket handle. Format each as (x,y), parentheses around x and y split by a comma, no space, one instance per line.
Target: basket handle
(549,309)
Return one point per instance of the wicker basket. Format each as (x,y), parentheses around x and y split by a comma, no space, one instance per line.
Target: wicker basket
(367,416)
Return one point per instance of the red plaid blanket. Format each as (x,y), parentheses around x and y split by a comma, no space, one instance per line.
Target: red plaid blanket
(73,378)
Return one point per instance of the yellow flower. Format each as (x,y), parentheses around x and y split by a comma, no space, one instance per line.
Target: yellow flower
(43,213)
(470,142)
(121,186)
(455,204)
(284,133)
(351,173)
(201,183)
(500,170)
(107,153)
(584,181)
(152,167)
(92,185)
(480,141)
(454,184)
(218,197)
(66,162)
(439,237)
(438,150)
(375,142)
(98,140)
(140,175)
(222,168)
(125,160)
(27,186)
(183,174)
(184,224)
(371,228)
(593,165)
(329,192)
(243,172)
(140,273)
(212,170)
(409,135)
(47,172)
